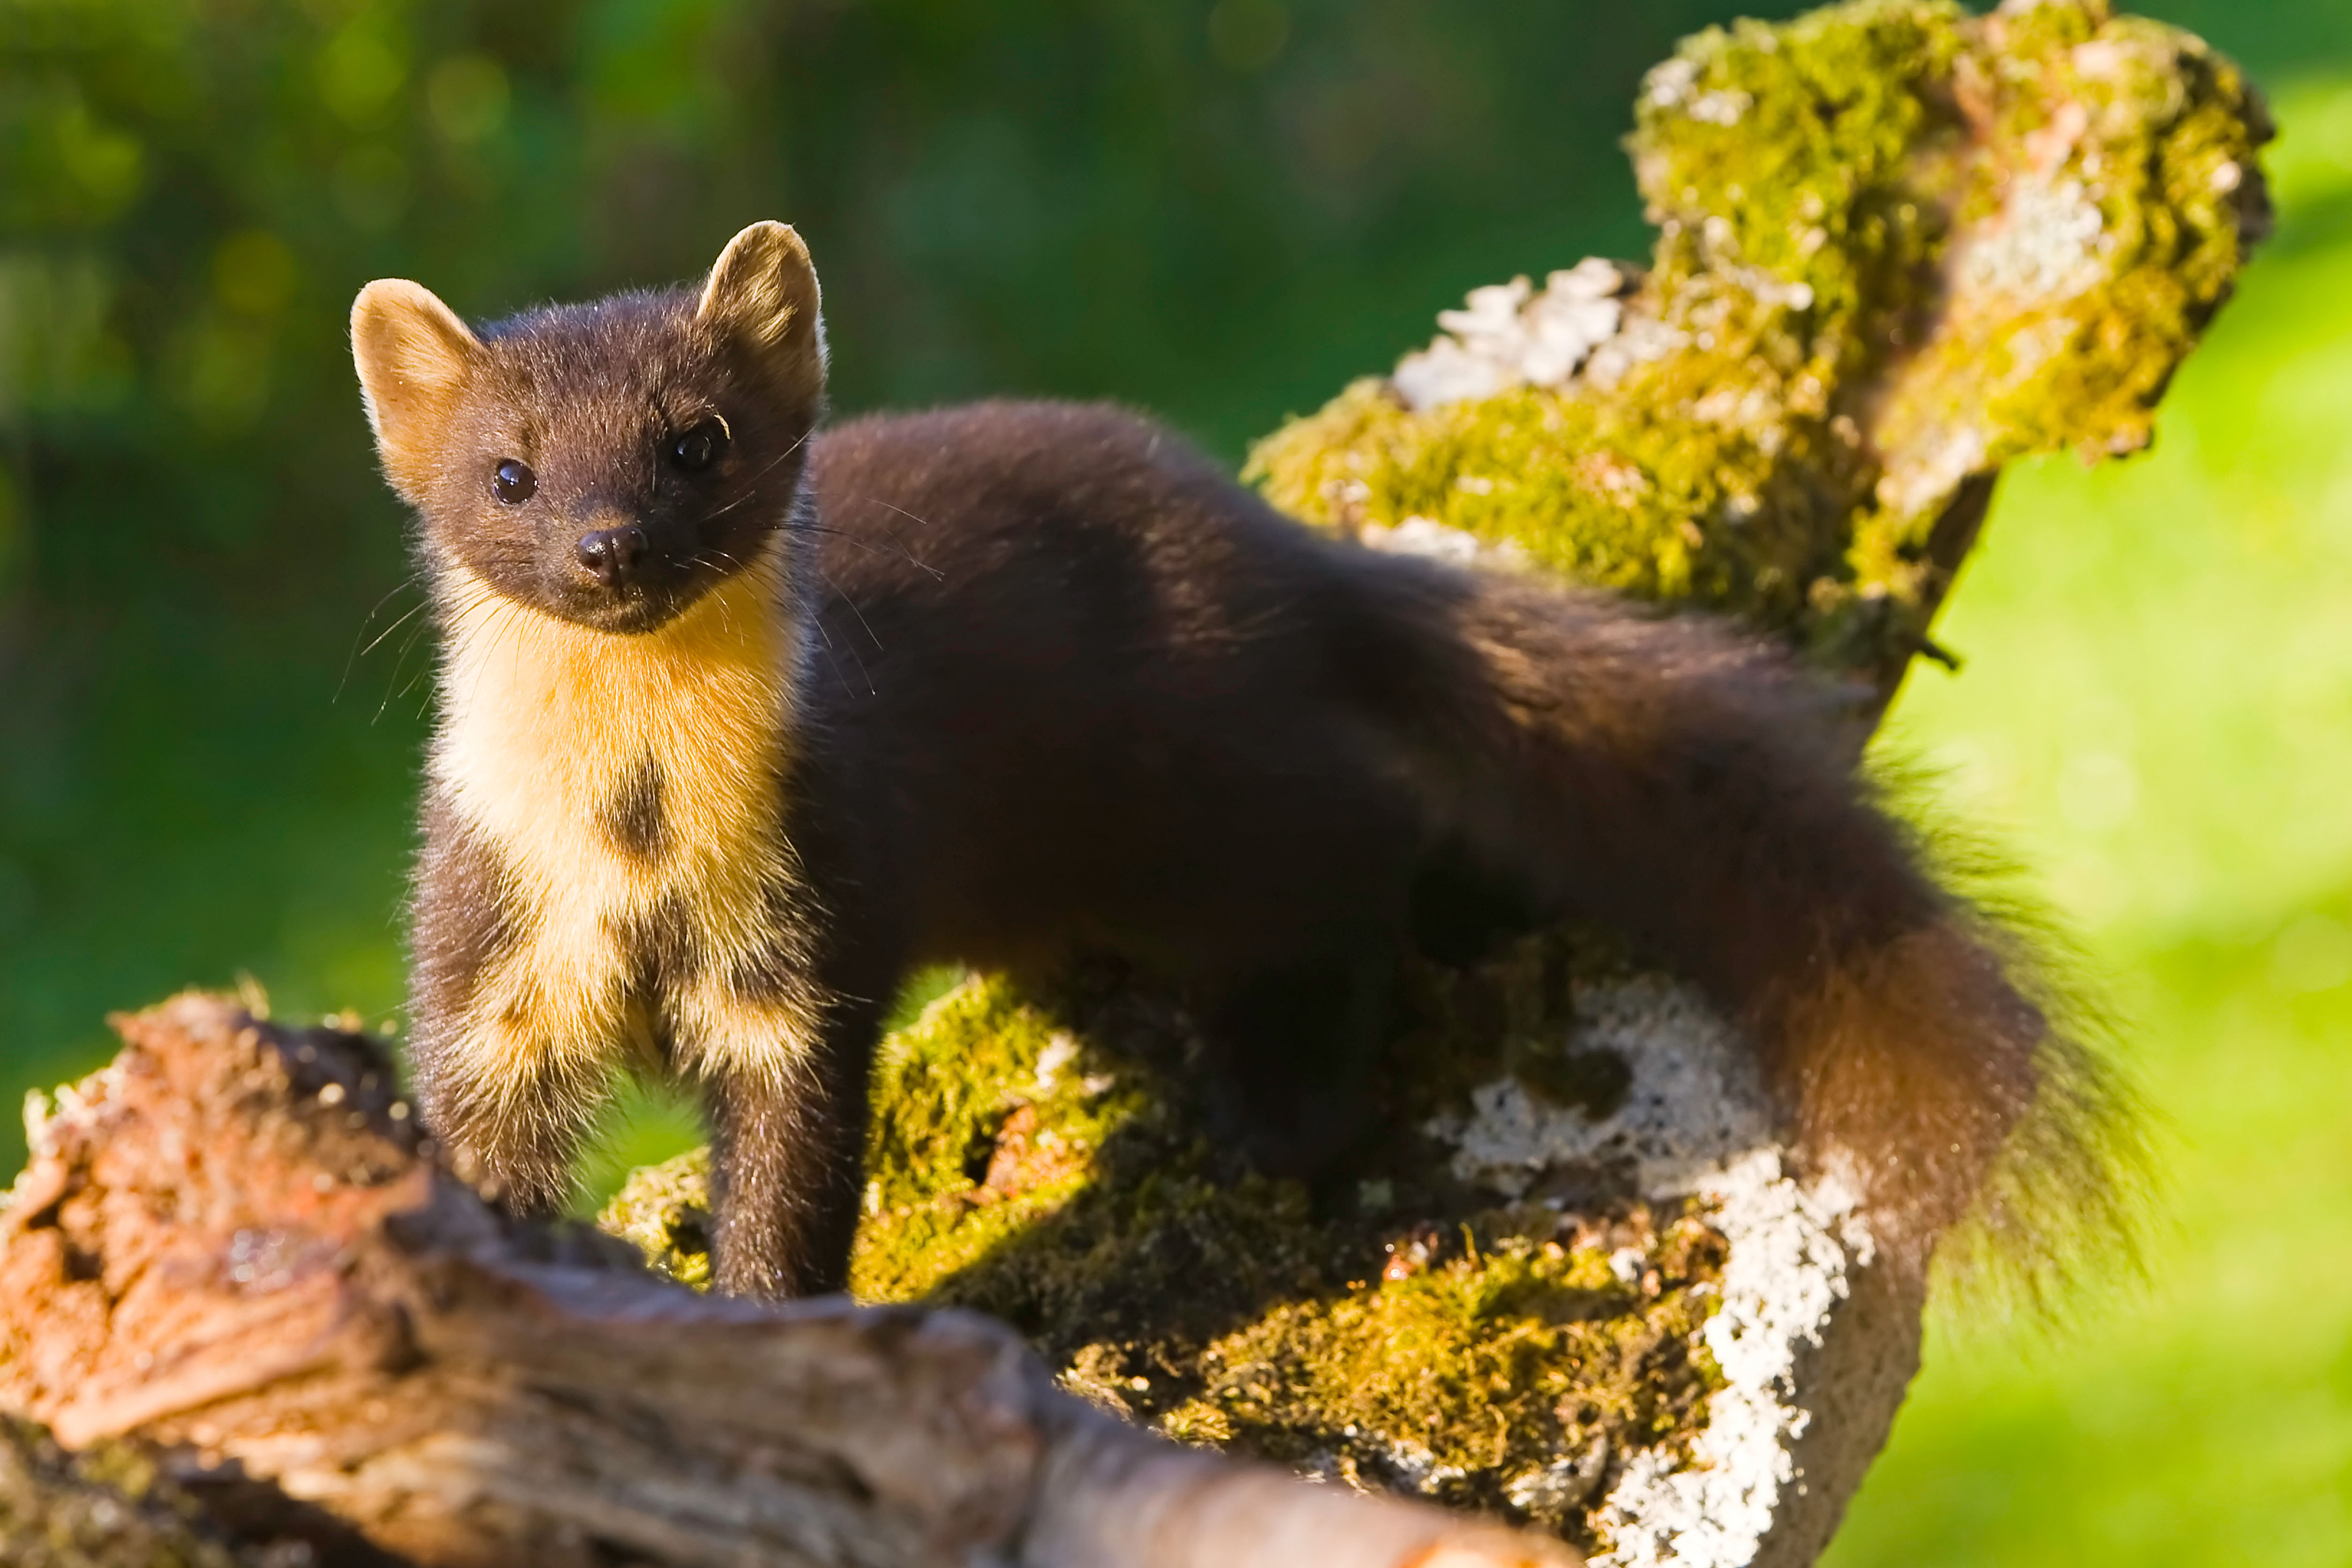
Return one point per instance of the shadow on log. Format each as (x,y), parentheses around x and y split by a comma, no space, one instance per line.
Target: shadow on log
(233,1252)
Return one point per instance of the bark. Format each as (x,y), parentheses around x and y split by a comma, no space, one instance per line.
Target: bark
(233,1251)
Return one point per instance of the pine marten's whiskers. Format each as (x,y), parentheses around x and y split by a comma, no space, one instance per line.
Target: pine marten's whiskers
(407,581)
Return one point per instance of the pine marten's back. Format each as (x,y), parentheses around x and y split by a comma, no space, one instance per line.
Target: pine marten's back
(1110,692)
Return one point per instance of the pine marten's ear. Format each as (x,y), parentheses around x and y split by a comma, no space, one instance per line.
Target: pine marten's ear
(762,293)
(415,358)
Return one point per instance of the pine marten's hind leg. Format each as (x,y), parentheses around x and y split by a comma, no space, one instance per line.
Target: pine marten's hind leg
(1300,998)
(1293,1048)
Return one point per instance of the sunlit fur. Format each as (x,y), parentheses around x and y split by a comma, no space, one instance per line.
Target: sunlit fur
(1056,686)
(541,721)
(609,878)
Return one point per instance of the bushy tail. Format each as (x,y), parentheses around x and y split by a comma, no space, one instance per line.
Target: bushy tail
(1697,792)
(2065,1202)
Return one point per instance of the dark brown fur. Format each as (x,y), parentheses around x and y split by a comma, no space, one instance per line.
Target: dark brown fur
(1077,691)
(463,918)
(632,819)
(1089,693)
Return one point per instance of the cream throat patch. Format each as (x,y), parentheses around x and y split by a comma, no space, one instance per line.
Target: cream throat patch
(631,785)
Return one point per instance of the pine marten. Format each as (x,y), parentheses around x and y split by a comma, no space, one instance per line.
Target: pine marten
(1085,693)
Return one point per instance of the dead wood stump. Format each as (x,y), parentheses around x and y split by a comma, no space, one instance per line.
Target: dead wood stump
(233,1250)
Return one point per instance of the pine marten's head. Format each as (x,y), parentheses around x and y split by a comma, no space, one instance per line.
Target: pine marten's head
(608,462)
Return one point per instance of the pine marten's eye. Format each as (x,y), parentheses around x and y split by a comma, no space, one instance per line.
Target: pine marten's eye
(513,482)
(700,447)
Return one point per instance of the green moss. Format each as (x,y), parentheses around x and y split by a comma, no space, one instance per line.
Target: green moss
(1473,1376)
(2048,341)
(105,1506)
(1603,491)
(990,1122)
(664,1211)
(1897,246)
(1045,1159)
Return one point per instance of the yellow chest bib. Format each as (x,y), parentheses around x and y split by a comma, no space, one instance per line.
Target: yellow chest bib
(547,729)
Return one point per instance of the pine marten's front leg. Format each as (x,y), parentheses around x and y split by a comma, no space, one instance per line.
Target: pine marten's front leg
(788,1166)
(782,1040)
(510,1095)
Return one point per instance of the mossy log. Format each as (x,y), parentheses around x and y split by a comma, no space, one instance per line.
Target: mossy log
(234,1264)
(1898,247)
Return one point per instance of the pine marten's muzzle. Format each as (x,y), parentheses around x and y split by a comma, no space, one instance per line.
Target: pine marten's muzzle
(627,568)
(615,556)
(619,575)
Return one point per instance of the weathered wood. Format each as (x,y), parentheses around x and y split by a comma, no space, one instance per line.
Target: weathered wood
(233,1246)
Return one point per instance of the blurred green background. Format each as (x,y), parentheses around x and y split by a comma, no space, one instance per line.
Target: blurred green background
(211,709)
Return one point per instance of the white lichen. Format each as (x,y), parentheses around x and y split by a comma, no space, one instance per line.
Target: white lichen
(1695,1120)
(1926,478)
(1429,538)
(1791,1247)
(1695,1103)
(1512,334)
(1061,1050)
(1412,1467)
(2044,245)
(1561,1486)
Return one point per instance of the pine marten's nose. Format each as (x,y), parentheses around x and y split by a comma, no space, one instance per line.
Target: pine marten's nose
(617,556)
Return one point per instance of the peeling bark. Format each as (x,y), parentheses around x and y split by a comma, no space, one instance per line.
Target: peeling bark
(233,1250)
